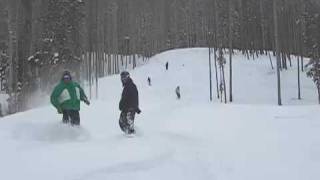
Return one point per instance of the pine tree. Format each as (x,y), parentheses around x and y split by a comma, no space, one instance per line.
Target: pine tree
(314,73)
(313,43)
(4,64)
(60,43)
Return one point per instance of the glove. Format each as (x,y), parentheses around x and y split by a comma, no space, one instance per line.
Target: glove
(87,102)
(138,110)
(59,110)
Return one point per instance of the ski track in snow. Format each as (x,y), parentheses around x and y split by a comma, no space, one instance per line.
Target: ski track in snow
(129,167)
(50,132)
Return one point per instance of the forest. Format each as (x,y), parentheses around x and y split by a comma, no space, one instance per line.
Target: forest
(39,39)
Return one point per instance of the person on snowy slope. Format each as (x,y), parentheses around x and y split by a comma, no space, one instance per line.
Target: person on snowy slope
(129,103)
(66,98)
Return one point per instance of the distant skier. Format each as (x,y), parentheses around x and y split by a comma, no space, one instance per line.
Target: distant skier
(149,81)
(167,66)
(129,103)
(178,92)
(66,98)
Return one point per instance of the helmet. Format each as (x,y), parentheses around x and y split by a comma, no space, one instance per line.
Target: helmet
(124,76)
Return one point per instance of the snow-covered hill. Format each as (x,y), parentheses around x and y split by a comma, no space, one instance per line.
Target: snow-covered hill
(187,139)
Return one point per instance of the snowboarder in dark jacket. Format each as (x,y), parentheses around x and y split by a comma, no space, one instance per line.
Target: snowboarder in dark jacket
(149,81)
(178,92)
(129,103)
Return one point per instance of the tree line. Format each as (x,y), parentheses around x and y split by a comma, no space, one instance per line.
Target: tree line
(94,38)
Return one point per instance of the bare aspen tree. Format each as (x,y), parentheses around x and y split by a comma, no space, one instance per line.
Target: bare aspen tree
(217,44)
(275,16)
(12,51)
(24,35)
(230,47)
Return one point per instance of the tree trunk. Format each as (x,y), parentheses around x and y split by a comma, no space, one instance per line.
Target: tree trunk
(24,47)
(216,70)
(210,74)
(276,33)
(318,88)
(230,47)
(262,26)
(12,51)
(299,86)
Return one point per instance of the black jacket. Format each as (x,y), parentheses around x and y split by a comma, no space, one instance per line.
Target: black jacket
(129,98)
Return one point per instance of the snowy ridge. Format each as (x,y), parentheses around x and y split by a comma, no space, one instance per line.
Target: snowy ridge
(190,139)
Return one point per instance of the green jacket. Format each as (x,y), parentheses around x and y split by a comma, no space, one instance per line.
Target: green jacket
(67,96)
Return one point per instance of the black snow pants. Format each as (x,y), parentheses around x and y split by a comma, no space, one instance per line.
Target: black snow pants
(71,116)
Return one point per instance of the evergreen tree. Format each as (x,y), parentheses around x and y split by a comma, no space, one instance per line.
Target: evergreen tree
(60,41)
(314,73)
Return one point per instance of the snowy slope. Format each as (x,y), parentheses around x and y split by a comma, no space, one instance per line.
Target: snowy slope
(189,139)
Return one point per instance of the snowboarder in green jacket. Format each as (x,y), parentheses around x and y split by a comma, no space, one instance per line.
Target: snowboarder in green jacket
(66,98)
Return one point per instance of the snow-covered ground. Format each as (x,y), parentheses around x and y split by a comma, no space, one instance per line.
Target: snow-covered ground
(190,139)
